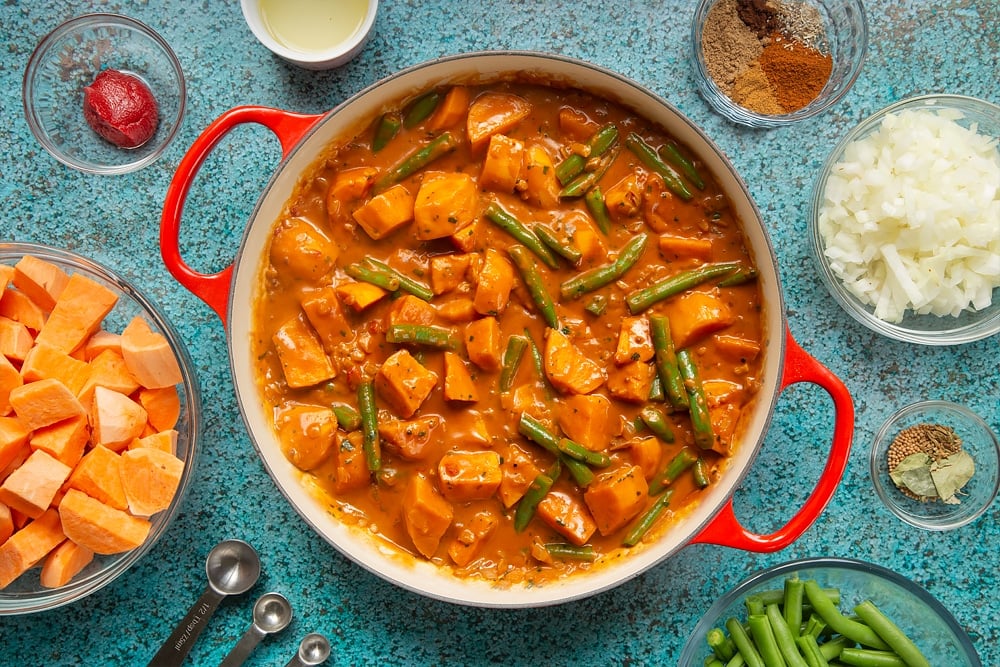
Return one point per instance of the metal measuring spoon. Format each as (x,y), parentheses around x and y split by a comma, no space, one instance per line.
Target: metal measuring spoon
(271,613)
(233,567)
(314,649)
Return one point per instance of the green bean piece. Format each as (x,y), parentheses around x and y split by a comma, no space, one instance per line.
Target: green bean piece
(656,421)
(369,426)
(891,634)
(534,430)
(507,222)
(648,157)
(529,501)
(422,334)
(712,661)
(754,604)
(666,361)
(701,422)
(641,299)
(577,451)
(656,390)
(862,657)
(783,637)
(671,154)
(539,363)
(535,283)
(594,199)
(598,277)
(582,183)
(791,605)
(680,462)
(347,417)
(421,109)
(564,551)
(840,624)
(564,249)
(385,131)
(378,278)
(570,167)
(597,144)
(737,661)
(516,345)
(832,649)
(406,283)
(579,471)
(647,519)
(815,626)
(438,147)
(597,305)
(763,639)
(744,644)
(778,595)
(721,645)
(742,275)
(810,651)
(700,472)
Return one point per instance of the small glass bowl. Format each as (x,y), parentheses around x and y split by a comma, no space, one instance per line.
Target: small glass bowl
(68,59)
(921,329)
(846,36)
(925,620)
(26,594)
(977,439)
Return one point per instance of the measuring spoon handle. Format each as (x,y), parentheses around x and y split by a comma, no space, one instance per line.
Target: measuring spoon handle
(244,647)
(179,643)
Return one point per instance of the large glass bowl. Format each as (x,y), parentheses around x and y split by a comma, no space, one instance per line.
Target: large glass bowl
(925,620)
(26,594)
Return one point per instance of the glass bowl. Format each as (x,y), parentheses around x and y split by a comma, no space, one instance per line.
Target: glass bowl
(68,59)
(846,40)
(977,439)
(925,329)
(26,594)
(925,620)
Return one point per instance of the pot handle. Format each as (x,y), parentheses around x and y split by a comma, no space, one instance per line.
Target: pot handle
(213,288)
(725,529)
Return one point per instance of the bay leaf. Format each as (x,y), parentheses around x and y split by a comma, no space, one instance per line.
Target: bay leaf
(914,474)
(951,473)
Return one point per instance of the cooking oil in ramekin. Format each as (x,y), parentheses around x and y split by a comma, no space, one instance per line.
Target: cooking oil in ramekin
(312,25)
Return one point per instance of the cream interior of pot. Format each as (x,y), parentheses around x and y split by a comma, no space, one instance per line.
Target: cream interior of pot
(349,118)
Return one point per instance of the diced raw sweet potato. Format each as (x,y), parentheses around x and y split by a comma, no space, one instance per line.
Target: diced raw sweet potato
(631,382)
(409,309)
(150,478)
(28,546)
(696,314)
(15,339)
(358,296)
(646,453)
(101,341)
(738,348)
(165,441)
(306,434)
(303,359)
(10,378)
(403,383)
(635,343)
(483,344)
(409,438)
(6,276)
(108,370)
(466,476)
(78,313)
(350,467)
(148,355)
(616,497)
(568,516)
(300,248)
(99,475)
(450,110)
(325,314)
(63,563)
(449,271)
(349,185)
(41,281)
(624,198)
(6,523)
(31,488)
(17,306)
(567,368)
(519,471)
(162,406)
(44,402)
(116,419)
(457,311)
(492,113)
(14,435)
(539,172)
(502,164)
(494,281)
(385,212)
(99,527)
(426,514)
(586,419)
(64,440)
(458,383)
(45,361)
(471,536)
(675,248)
(445,204)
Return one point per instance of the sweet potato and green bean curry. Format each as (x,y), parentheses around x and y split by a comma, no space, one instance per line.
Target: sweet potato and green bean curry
(509,329)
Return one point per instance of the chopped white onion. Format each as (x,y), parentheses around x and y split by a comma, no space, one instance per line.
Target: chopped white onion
(910,216)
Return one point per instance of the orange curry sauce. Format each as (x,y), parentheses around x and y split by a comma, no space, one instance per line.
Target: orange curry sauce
(453,465)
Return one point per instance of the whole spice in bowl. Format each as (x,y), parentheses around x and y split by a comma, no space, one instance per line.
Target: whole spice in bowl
(927,462)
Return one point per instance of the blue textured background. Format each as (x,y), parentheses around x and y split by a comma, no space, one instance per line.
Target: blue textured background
(916,47)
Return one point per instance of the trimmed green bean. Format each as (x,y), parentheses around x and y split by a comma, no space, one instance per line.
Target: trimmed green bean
(783,637)
(598,277)
(369,426)
(810,651)
(597,144)
(648,157)
(582,183)
(680,462)
(700,472)
(742,275)
(507,222)
(791,606)
(891,634)
(422,334)
(815,626)
(712,661)
(826,610)
(406,283)
(534,430)
(778,595)
(516,345)
(722,646)
(372,276)
(641,299)
(597,305)
(670,153)
(831,649)
(701,422)
(579,471)
(666,361)
(565,551)
(763,638)
(656,390)
(648,518)
(580,453)
(441,145)
(863,657)
(536,358)
(421,109)
(736,661)
(754,604)
(656,421)
(347,417)
(535,283)
(385,131)
(528,504)
(743,643)
(564,249)
(594,199)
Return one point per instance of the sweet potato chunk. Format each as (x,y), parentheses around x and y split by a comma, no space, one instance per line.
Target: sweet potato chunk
(458,383)
(303,359)
(568,516)
(325,314)
(99,527)
(64,440)
(694,315)
(349,185)
(409,309)
(15,339)
(99,475)
(165,441)
(6,523)
(616,497)
(449,271)
(674,248)
(492,113)
(451,110)
(738,348)
(117,419)
(162,406)
(426,514)
(14,435)
(44,402)
(635,343)
(17,306)
(109,370)
(41,281)
(519,471)
(63,563)
(45,361)
(82,306)
(31,488)
(299,248)
(466,476)
(404,383)
(471,536)
(646,453)
(350,467)
(10,379)
(631,382)
(567,368)
(624,198)
(28,546)
(541,185)
(306,434)
(586,419)
(148,355)
(358,296)
(494,282)
(150,478)
(386,212)
(457,311)
(409,438)
(502,165)
(483,344)
(444,205)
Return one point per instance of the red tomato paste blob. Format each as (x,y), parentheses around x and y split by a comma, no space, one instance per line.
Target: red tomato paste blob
(121,108)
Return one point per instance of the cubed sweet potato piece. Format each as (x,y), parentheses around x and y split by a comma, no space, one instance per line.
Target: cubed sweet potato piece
(738,348)
(386,212)
(17,306)
(358,296)
(15,339)
(109,370)
(616,497)
(116,419)
(403,383)
(99,475)
(659,204)
(148,355)
(539,172)
(32,487)
(449,271)
(696,314)
(468,238)
(301,354)
(502,164)
(300,248)
(568,516)
(494,281)
(586,419)
(719,391)
(457,311)
(466,476)
(450,110)
(567,368)
(63,440)
(493,113)
(44,402)
(99,342)
(165,441)
(646,453)
(28,546)
(576,125)
(724,419)
(162,406)
(41,281)
(150,478)
(349,185)
(326,315)
(519,471)
(635,343)
(6,523)
(471,537)
(624,198)
(674,248)
(14,435)
(483,344)
(631,382)
(306,434)
(99,527)
(445,203)
(426,514)
(409,438)
(63,563)
(45,361)
(6,276)
(409,309)
(78,313)
(458,383)
(350,467)
(10,378)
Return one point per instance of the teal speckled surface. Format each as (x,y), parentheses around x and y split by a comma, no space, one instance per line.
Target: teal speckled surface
(916,47)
